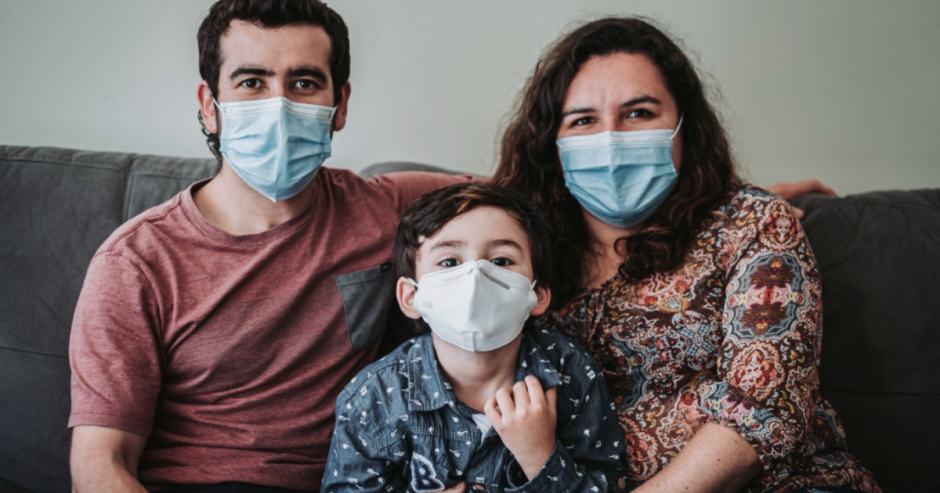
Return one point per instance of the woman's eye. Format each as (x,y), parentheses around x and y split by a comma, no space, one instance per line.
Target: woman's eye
(449,262)
(501,262)
(639,113)
(582,121)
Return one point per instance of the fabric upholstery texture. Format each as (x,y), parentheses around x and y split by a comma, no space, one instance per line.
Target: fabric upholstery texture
(879,254)
(56,208)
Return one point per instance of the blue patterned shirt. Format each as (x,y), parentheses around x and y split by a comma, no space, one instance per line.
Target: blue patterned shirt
(400,427)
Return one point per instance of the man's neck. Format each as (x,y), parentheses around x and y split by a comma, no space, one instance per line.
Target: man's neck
(475,377)
(231,205)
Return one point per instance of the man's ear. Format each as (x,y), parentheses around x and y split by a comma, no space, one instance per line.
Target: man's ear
(405,292)
(207,108)
(339,119)
(544,298)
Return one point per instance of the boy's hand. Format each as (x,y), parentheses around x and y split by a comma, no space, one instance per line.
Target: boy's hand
(525,419)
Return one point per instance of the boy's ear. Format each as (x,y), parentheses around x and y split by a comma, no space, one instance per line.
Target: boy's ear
(544,298)
(405,292)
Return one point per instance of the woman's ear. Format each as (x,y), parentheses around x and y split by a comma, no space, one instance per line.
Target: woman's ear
(543,299)
(405,292)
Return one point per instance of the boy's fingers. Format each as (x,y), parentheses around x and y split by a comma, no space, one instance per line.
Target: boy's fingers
(489,409)
(550,396)
(504,400)
(520,394)
(535,389)
(457,488)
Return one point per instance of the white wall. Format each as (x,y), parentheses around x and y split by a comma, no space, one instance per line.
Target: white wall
(843,90)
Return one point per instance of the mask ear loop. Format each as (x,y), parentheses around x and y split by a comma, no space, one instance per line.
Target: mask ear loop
(678,126)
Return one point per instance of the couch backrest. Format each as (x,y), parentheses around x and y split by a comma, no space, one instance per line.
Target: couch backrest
(57,206)
(879,254)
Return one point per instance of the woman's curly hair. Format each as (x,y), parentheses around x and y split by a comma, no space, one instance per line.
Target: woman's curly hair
(529,160)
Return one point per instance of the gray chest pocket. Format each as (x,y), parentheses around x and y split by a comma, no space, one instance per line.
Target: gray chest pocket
(367,295)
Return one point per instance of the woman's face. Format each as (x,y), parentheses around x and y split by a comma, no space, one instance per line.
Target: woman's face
(619,92)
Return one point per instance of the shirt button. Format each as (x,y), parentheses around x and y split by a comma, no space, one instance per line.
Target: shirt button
(479,487)
(490,439)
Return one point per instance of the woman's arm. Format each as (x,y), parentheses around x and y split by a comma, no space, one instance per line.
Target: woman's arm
(757,404)
(717,459)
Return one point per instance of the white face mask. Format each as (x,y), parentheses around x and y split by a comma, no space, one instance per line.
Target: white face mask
(475,306)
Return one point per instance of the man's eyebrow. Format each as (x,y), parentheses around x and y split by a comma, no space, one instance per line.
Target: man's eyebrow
(240,71)
(314,72)
(632,102)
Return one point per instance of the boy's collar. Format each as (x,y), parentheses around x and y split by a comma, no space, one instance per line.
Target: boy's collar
(430,391)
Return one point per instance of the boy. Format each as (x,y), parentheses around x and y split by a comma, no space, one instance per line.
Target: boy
(477,400)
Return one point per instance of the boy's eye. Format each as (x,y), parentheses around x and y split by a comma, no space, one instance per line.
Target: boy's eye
(501,262)
(449,262)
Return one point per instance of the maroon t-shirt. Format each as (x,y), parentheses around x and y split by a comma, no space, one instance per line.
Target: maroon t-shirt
(229,351)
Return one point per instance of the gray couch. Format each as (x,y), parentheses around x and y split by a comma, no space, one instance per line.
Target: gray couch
(879,253)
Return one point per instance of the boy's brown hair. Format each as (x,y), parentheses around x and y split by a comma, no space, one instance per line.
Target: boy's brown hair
(433,210)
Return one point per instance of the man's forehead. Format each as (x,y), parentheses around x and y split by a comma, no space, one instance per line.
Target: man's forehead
(248,44)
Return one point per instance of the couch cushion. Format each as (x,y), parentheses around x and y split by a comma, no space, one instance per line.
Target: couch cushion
(56,208)
(879,254)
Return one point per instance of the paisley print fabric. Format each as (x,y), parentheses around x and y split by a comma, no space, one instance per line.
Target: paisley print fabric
(731,337)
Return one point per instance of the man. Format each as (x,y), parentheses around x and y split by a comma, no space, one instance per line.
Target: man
(214,332)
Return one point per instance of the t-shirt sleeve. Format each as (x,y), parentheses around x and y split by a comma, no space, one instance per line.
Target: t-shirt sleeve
(115,351)
(404,187)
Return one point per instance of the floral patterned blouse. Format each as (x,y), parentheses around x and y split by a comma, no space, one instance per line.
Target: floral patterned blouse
(731,337)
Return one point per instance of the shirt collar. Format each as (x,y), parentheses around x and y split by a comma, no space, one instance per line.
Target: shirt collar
(430,391)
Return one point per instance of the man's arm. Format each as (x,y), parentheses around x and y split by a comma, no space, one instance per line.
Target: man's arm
(105,459)
(116,375)
(791,190)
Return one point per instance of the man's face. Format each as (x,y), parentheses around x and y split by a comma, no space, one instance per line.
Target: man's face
(290,61)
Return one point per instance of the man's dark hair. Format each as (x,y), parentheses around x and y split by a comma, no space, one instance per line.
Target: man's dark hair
(269,14)
(433,210)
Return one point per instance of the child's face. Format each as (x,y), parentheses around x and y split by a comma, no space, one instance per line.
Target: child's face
(487,233)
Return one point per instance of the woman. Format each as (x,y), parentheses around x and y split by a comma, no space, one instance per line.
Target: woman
(698,294)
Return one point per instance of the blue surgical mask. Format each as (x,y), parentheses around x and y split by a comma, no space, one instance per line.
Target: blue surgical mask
(620,178)
(275,145)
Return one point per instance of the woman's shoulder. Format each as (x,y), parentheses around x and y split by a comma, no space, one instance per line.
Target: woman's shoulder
(752,207)
(749,199)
